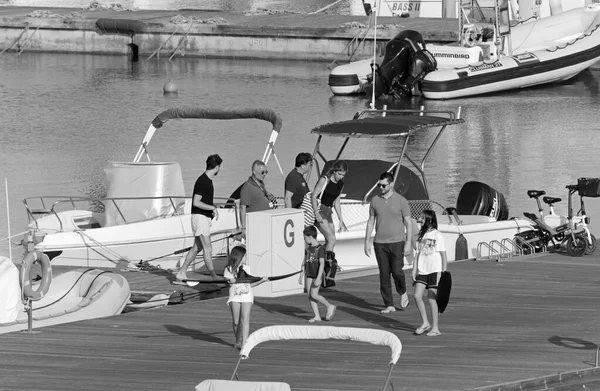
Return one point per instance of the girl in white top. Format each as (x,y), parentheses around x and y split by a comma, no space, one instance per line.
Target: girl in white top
(431,262)
(240,294)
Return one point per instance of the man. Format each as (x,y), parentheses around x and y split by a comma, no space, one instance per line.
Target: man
(203,211)
(254,196)
(295,184)
(390,214)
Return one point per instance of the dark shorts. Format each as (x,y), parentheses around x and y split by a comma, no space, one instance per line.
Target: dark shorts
(429,280)
(326,213)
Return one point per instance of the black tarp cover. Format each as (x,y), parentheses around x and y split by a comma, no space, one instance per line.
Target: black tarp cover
(194,112)
(362,175)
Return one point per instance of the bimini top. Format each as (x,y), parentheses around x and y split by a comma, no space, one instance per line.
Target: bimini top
(194,112)
(394,124)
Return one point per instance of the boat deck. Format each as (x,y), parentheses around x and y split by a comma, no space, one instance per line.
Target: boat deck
(516,319)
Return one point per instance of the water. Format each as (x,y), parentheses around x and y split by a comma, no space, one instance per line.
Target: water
(64,116)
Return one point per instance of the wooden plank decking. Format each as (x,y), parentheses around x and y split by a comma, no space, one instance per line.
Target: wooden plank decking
(506,321)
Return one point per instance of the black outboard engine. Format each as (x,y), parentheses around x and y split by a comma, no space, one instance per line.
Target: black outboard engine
(476,198)
(405,63)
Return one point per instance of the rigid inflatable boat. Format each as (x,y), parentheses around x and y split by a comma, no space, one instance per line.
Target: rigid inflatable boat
(75,295)
(490,57)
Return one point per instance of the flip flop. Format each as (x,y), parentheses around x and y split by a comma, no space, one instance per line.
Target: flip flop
(433,333)
(422,329)
(405,303)
(313,320)
(179,282)
(330,315)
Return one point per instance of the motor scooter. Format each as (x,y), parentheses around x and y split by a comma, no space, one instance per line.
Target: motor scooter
(544,235)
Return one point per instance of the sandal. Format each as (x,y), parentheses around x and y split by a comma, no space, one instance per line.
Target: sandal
(434,333)
(330,314)
(422,329)
(313,320)
(405,302)
(388,310)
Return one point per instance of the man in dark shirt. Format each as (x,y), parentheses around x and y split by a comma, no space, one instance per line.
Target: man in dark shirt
(295,184)
(254,196)
(203,211)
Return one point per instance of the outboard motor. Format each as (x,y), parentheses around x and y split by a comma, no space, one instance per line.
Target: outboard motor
(476,198)
(405,63)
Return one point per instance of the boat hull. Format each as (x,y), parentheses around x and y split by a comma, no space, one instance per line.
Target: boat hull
(73,296)
(537,59)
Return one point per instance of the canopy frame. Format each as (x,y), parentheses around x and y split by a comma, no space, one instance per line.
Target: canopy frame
(295,332)
(217,114)
(431,119)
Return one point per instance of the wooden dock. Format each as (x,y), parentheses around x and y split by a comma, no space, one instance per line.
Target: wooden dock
(516,319)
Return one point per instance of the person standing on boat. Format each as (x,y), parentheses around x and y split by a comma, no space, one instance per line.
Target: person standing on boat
(295,183)
(203,211)
(390,215)
(329,190)
(254,196)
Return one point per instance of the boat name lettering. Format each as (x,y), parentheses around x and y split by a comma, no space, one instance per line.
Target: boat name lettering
(451,55)
(288,233)
(495,210)
(483,67)
(405,6)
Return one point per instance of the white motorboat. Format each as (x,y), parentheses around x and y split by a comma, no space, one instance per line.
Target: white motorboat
(73,296)
(482,213)
(145,216)
(489,57)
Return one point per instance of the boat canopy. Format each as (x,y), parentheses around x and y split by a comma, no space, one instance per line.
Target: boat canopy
(218,114)
(388,126)
(362,177)
(198,113)
(281,333)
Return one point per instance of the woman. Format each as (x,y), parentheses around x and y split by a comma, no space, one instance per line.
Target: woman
(329,189)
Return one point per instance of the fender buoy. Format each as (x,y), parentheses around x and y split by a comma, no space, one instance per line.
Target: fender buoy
(25,277)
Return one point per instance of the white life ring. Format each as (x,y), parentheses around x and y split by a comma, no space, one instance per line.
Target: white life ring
(25,275)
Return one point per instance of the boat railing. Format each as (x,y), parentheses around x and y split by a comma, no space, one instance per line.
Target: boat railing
(53,205)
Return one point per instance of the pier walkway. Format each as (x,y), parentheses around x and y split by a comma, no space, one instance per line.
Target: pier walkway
(522,318)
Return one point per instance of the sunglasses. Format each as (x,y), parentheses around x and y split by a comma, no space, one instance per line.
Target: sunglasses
(265,172)
(382,185)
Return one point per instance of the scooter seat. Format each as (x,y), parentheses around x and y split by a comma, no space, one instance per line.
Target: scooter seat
(551,200)
(535,193)
(530,216)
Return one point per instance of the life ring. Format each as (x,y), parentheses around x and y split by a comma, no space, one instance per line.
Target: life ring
(25,275)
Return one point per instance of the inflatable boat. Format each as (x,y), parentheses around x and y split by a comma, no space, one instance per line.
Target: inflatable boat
(72,296)
(491,57)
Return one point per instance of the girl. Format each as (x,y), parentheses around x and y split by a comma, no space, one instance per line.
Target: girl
(331,186)
(431,262)
(240,294)
(314,263)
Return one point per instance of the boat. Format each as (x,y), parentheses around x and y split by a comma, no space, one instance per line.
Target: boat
(78,294)
(313,335)
(145,218)
(488,57)
(480,215)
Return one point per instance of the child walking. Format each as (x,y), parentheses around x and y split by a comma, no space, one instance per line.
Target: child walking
(314,264)
(240,294)
(431,261)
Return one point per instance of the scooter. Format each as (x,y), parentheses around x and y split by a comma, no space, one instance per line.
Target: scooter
(543,235)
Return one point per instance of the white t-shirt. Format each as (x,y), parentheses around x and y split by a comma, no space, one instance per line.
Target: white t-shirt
(429,247)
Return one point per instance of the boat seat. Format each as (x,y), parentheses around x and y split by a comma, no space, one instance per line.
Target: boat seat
(231,385)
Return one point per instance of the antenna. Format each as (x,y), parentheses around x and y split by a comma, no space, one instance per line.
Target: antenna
(375,11)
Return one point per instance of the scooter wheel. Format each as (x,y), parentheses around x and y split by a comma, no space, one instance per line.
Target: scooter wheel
(577,246)
(591,245)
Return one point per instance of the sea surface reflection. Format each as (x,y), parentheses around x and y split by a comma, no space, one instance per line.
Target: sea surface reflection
(65,116)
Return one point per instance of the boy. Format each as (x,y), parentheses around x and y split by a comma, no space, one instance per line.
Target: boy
(314,263)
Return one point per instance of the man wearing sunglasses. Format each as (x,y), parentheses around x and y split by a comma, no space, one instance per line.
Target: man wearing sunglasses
(254,196)
(390,215)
